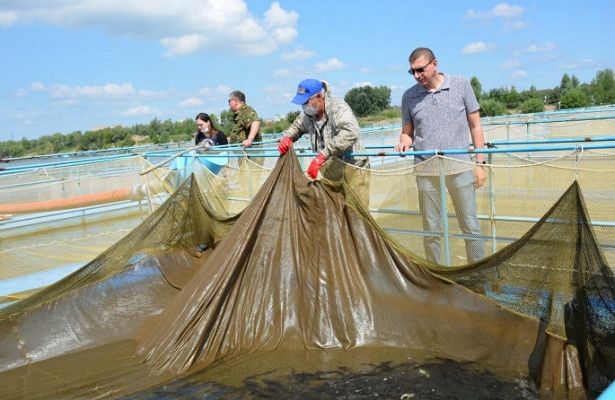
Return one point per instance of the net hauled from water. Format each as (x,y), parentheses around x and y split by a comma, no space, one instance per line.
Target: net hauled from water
(304,280)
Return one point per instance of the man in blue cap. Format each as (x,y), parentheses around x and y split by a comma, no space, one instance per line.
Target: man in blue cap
(333,128)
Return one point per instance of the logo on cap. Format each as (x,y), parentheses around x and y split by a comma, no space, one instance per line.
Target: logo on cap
(301,90)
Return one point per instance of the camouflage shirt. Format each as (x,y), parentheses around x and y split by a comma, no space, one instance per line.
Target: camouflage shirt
(337,135)
(242,119)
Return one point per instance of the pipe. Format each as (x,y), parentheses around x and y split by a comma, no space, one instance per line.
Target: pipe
(128,193)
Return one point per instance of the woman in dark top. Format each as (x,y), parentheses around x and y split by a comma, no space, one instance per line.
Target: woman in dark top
(207,132)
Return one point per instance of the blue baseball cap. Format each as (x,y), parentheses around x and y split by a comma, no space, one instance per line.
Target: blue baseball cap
(306,89)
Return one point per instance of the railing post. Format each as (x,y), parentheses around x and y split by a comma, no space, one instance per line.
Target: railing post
(494,244)
(444,215)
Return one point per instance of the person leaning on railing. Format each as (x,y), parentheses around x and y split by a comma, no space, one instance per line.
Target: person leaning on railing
(246,124)
(437,113)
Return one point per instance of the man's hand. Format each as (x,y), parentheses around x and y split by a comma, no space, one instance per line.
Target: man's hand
(285,144)
(480,175)
(405,143)
(247,143)
(315,165)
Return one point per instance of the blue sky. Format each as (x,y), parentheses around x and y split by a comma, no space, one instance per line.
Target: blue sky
(77,65)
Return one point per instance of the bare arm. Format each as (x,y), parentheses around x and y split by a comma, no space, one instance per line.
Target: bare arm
(476,132)
(406,137)
(478,140)
(254,127)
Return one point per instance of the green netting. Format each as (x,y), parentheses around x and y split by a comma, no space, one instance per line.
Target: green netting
(303,280)
(68,215)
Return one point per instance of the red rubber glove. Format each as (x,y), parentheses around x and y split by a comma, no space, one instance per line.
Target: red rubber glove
(285,144)
(315,165)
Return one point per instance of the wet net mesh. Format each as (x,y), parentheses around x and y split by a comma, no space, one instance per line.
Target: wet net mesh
(303,281)
(65,215)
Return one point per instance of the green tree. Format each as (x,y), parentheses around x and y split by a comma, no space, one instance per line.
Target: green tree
(498,94)
(366,100)
(532,105)
(226,121)
(512,98)
(476,87)
(531,93)
(291,116)
(603,87)
(566,83)
(574,98)
(491,107)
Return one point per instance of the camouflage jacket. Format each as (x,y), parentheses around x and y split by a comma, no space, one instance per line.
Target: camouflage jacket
(337,136)
(242,119)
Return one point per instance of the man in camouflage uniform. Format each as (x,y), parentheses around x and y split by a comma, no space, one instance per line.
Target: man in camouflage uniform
(334,132)
(246,124)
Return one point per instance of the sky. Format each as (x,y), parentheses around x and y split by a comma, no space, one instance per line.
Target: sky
(70,66)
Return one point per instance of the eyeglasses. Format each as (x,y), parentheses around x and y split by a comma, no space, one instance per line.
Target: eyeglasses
(229,100)
(420,70)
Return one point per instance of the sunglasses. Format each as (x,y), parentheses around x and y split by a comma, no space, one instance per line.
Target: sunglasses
(420,70)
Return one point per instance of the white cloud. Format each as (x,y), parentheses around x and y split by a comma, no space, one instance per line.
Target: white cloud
(8,18)
(284,35)
(276,16)
(181,27)
(108,90)
(582,63)
(282,73)
(515,26)
(278,95)
(299,53)
(361,84)
(502,10)
(331,64)
(139,111)
(540,47)
(510,64)
(66,102)
(190,102)
(62,95)
(281,23)
(186,44)
(215,91)
(397,87)
(365,70)
(506,10)
(477,47)
(519,74)
(37,86)
(61,91)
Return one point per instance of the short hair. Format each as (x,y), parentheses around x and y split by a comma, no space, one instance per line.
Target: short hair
(238,95)
(421,51)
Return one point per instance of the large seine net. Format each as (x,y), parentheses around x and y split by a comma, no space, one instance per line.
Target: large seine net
(303,281)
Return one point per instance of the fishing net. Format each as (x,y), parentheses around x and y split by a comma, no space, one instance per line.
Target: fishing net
(304,285)
(58,218)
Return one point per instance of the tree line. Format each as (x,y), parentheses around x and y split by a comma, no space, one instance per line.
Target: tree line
(570,93)
(369,104)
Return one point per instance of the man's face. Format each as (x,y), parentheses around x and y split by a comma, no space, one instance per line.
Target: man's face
(233,104)
(423,69)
